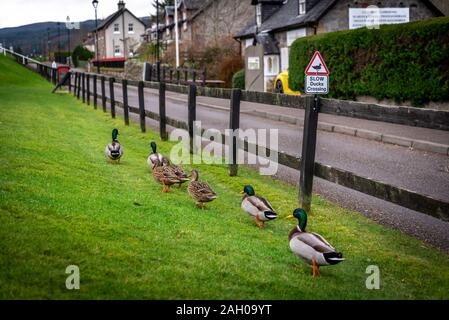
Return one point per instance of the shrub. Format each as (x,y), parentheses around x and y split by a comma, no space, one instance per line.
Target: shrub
(228,67)
(401,62)
(238,80)
(81,53)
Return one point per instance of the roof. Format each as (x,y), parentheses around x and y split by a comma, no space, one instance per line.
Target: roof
(193,4)
(286,17)
(189,4)
(269,43)
(109,20)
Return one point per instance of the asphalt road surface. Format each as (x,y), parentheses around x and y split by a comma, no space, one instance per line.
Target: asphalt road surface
(422,172)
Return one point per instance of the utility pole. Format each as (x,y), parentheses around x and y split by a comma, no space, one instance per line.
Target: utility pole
(48,43)
(68,40)
(158,62)
(59,42)
(95,5)
(176,34)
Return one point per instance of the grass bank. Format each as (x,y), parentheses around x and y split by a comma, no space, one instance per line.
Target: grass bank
(62,204)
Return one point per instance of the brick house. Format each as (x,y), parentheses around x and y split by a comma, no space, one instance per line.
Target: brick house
(278,23)
(203,23)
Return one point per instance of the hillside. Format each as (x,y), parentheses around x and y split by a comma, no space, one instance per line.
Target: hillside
(32,38)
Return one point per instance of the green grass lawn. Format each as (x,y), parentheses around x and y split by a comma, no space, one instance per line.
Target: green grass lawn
(62,204)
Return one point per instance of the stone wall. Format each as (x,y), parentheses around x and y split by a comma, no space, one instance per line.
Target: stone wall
(221,20)
(338,17)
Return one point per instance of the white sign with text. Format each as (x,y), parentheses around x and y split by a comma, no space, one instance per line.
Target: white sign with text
(317,84)
(373,16)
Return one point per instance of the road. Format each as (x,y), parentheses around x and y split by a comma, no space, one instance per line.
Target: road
(419,171)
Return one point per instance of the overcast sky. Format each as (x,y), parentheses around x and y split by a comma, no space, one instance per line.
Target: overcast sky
(15,13)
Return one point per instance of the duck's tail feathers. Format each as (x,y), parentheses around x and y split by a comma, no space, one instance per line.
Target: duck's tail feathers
(270,215)
(333,257)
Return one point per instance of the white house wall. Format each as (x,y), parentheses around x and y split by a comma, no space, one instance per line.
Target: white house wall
(115,38)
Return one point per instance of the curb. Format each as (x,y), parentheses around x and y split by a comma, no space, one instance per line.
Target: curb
(364,134)
(329,127)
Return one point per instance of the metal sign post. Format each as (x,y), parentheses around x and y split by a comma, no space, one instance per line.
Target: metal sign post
(316,82)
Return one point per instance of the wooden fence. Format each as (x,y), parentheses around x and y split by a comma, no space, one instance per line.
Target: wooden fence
(184,76)
(400,196)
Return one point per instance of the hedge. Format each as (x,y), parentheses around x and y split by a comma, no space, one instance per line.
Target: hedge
(81,53)
(238,80)
(403,62)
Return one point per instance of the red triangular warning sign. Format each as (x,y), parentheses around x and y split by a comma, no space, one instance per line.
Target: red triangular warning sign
(317,65)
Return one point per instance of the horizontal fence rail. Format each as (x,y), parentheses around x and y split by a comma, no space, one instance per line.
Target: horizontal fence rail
(400,196)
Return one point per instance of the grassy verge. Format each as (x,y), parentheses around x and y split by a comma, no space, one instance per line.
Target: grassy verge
(61,203)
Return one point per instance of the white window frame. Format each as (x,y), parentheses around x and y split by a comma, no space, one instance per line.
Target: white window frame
(292,35)
(116,28)
(131,26)
(259,14)
(302,7)
(184,18)
(117,53)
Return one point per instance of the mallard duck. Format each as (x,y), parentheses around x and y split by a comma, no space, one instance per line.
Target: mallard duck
(311,247)
(165,175)
(114,150)
(179,171)
(153,156)
(201,192)
(257,207)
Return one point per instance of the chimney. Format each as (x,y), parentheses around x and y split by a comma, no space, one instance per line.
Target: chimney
(121,5)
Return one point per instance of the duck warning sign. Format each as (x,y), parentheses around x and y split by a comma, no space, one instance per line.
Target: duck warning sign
(317,76)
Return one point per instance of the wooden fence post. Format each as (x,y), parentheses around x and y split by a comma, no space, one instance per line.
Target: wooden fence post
(70,82)
(234,124)
(74,84)
(194,76)
(88,88)
(171,75)
(178,76)
(151,73)
(78,86)
(103,93)
(162,114)
(204,77)
(54,76)
(158,71)
(186,76)
(308,152)
(141,106)
(84,87)
(125,101)
(112,96)
(147,72)
(164,69)
(95,91)
(192,113)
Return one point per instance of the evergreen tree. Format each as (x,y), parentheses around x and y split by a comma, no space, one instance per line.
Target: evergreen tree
(162,5)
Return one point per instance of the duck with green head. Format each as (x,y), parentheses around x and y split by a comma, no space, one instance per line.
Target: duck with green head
(311,247)
(114,150)
(154,156)
(257,207)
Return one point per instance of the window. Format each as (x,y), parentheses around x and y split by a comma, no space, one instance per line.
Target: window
(184,18)
(302,7)
(130,28)
(117,51)
(259,14)
(116,28)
